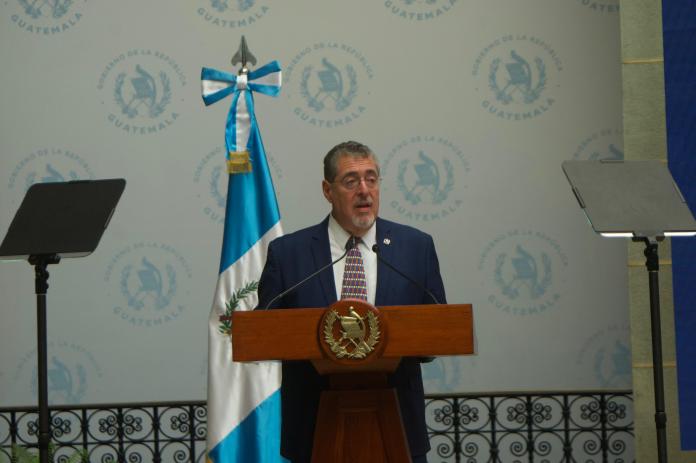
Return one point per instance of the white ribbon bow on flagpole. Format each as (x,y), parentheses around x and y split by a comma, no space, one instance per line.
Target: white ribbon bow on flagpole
(216,85)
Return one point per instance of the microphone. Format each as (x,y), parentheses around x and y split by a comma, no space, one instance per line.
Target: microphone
(350,244)
(375,249)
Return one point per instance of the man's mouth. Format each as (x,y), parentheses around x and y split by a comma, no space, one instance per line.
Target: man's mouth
(363,206)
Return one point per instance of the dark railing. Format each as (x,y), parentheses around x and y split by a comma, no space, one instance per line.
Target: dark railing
(563,427)
(135,432)
(470,428)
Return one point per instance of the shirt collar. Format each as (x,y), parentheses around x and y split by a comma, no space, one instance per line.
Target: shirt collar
(341,236)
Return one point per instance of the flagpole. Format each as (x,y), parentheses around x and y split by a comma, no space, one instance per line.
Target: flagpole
(243,398)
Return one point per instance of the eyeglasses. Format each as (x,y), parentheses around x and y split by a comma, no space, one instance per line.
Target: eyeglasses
(351,182)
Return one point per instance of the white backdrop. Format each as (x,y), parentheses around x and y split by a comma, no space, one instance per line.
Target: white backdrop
(470,105)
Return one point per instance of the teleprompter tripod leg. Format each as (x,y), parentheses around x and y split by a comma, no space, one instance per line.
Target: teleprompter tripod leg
(41,287)
(652,264)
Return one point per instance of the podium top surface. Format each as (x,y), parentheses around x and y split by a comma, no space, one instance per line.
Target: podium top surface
(293,334)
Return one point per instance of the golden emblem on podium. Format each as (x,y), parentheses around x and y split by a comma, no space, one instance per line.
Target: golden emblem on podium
(351,336)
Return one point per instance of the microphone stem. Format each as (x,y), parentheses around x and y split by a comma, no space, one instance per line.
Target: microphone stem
(375,249)
(311,275)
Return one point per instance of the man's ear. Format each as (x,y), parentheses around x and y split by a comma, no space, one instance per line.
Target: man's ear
(326,189)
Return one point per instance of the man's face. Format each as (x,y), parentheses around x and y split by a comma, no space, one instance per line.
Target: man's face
(354,193)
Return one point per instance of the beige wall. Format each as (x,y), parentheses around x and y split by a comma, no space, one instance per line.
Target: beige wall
(645,138)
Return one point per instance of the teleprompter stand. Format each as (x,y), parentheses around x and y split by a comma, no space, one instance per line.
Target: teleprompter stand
(57,219)
(637,200)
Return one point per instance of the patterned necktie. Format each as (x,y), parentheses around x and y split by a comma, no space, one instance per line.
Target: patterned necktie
(354,282)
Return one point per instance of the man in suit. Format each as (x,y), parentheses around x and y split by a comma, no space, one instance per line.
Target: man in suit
(351,186)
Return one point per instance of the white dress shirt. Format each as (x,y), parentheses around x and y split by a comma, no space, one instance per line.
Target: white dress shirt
(338,238)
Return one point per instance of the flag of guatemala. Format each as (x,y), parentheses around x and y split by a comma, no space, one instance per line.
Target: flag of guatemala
(243,398)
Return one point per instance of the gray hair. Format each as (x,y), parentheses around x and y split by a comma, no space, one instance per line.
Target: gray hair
(347,148)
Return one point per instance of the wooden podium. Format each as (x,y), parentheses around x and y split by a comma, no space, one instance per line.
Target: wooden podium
(357,345)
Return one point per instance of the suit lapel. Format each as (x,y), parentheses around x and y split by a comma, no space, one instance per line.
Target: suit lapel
(384,273)
(321,252)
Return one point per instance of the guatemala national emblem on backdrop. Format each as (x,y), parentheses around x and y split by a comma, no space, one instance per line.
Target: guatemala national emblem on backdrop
(523,272)
(602,145)
(45,17)
(73,374)
(608,354)
(141,91)
(149,283)
(210,183)
(231,14)
(425,178)
(328,84)
(517,77)
(601,6)
(419,10)
(47,165)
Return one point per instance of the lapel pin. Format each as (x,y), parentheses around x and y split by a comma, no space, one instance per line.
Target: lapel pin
(387,241)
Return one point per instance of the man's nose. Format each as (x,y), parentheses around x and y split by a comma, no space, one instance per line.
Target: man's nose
(362,186)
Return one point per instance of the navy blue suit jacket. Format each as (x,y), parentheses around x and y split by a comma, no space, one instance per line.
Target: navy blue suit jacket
(293,257)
